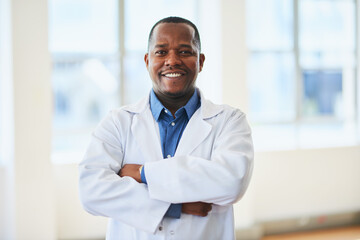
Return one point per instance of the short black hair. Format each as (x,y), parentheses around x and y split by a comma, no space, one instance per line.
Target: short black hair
(177,20)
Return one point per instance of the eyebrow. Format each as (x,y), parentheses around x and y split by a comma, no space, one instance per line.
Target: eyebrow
(165,45)
(161,45)
(185,45)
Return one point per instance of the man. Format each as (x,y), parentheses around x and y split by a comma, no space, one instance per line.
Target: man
(171,165)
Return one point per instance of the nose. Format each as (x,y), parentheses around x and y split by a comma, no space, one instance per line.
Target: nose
(172,59)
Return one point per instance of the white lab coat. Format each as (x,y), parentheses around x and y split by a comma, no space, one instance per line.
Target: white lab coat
(213,163)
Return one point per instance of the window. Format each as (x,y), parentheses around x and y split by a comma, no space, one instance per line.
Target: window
(271,63)
(97,49)
(83,40)
(2,32)
(6,108)
(1,113)
(302,71)
(327,58)
(1,121)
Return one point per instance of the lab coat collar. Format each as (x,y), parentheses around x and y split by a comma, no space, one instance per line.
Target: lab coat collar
(146,130)
(207,108)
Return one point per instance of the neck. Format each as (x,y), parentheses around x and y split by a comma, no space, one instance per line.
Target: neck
(174,103)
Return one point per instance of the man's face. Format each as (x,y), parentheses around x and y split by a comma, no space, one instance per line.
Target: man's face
(173,60)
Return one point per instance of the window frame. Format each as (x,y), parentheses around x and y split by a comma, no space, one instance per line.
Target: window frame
(298,78)
(310,132)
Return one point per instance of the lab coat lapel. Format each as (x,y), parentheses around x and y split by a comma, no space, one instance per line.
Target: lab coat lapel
(195,133)
(146,130)
(146,133)
(198,129)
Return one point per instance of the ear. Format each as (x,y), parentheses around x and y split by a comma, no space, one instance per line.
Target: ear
(201,61)
(146,59)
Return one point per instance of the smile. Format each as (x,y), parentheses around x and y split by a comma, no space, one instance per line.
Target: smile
(173,75)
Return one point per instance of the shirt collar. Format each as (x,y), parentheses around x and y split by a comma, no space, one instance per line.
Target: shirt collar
(155,105)
(191,106)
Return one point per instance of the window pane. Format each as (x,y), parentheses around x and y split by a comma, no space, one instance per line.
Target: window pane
(84,45)
(83,26)
(327,33)
(85,89)
(327,25)
(327,59)
(137,82)
(269,24)
(327,55)
(272,87)
(1,124)
(322,92)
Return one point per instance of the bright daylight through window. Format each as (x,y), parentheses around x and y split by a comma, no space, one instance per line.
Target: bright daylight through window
(97,50)
(1,123)
(83,40)
(302,72)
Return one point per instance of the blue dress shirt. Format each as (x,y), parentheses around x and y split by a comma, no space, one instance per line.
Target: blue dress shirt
(171,130)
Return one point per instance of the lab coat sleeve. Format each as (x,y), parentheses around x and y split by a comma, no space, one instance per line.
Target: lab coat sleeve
(221,180)
(103,192)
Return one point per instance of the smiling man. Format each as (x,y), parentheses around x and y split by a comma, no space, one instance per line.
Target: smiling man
(174,61)
(172,165)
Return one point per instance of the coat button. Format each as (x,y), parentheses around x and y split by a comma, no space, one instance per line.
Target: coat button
(160,228)
(172,124)
(172,232)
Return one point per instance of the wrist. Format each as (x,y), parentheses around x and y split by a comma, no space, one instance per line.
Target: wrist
(140,171)
(142,174)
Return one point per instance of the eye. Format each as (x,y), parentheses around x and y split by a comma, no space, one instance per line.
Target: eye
(160,52)
(185,52)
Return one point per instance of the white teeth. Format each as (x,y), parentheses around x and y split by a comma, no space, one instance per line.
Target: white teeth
(173,75)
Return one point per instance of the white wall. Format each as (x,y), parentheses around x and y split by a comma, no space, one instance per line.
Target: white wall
(72,221)
(27,193)
(3,204)
(303,183)
(234,53)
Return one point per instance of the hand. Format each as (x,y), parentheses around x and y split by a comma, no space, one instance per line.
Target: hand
(131,170)
(196,208)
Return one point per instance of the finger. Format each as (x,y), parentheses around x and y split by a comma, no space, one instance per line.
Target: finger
(204,214)
(206,207)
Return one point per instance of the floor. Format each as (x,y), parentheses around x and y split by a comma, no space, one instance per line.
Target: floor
(344,233)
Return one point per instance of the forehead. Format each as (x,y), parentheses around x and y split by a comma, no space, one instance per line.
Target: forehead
(166,33)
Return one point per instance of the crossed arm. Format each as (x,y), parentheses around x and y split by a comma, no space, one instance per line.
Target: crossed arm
(193,208)
(191,180)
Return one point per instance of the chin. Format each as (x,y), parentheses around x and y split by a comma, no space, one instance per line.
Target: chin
(175,93)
